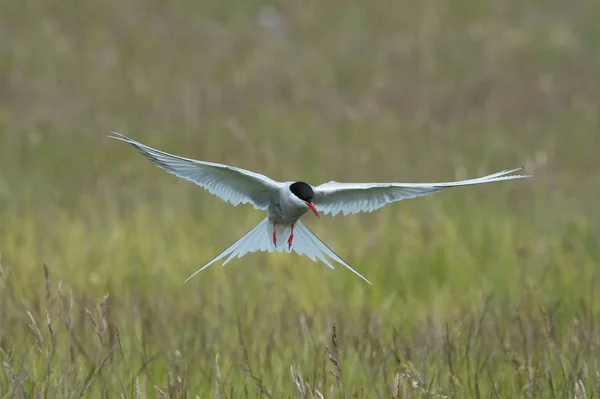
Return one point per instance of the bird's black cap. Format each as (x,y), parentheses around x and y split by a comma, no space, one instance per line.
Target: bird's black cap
(303,191)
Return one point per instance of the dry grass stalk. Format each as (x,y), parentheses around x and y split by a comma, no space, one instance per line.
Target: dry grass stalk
(334,359)
(36,331)
(415,383)
(298,382)
(218,381)
(97,371)
(161,392)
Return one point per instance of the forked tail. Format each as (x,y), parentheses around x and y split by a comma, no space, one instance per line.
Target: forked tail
(260,238)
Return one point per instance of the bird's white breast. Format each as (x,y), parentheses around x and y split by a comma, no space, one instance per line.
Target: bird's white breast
(287,208)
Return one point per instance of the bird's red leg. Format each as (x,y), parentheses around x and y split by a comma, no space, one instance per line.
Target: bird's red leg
(275,232)
(291,237)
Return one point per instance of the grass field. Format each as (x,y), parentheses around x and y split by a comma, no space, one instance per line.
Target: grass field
(488,291)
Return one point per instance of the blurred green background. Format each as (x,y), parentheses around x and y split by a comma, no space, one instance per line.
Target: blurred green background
(482,291)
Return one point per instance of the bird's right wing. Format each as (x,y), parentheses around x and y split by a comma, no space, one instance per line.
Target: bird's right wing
(334,197)
(231,184)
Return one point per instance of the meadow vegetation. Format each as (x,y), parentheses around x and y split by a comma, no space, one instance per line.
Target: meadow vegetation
(488,291)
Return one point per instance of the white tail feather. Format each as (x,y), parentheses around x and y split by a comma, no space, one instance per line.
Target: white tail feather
(260,238)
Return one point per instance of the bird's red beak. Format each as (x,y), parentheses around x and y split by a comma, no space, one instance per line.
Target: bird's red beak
(312,208)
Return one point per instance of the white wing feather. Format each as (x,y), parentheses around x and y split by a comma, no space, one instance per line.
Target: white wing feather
(260,239)
(334,197)
(231,184)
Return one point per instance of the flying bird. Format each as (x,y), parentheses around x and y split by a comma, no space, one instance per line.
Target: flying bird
(286,202)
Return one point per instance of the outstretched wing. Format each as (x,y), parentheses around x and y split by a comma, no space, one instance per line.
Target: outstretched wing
(334,197)
(231,184)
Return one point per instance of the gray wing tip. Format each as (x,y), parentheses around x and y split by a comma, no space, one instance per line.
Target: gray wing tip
(512,173)
(527,175)
(519,169)
(119,136)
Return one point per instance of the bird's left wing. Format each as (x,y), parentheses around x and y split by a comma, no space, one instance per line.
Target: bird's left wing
(334,197)
(231,184)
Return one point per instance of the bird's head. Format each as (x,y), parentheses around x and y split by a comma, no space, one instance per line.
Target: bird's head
(305,193)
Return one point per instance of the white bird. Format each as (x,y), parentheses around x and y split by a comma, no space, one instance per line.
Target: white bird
(287,202)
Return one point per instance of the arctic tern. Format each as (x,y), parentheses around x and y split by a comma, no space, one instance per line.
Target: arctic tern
(286,202)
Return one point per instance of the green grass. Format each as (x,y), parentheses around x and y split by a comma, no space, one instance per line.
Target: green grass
(486,291)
